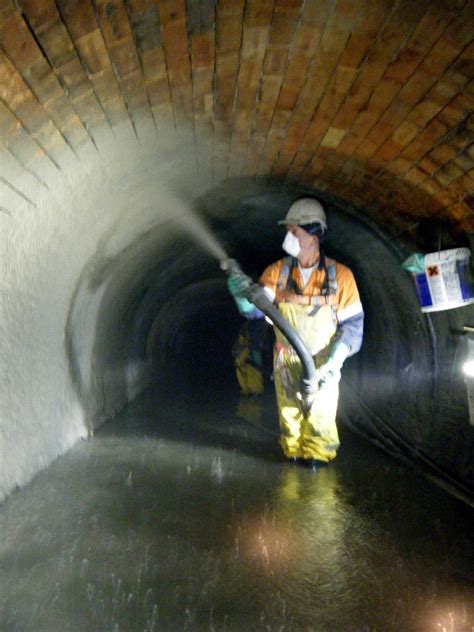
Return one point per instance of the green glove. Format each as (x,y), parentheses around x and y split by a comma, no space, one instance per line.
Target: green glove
(331,369)
(256,358)
(237,284)
(243,305)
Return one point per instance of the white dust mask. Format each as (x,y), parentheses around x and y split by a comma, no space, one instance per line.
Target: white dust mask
(291,245)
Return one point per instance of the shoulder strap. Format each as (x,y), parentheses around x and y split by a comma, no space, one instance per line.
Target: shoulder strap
(330,285)
(285,281)
(288,291)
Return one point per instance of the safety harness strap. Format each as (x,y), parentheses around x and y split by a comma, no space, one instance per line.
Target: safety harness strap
(287,290)
(310,300)
(330,282)
(284,280)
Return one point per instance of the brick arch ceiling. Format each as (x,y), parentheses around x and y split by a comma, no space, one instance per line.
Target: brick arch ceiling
(369,99)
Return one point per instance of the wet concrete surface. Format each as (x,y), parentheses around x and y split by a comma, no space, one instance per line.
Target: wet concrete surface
(183,516)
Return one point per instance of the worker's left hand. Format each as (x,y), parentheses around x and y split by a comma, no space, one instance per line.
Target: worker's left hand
(328,372)
(331,369)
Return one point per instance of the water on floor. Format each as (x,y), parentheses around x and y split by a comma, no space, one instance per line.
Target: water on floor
(183,516)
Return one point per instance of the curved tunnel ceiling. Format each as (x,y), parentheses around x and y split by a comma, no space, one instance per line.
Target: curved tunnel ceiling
(117,117)
(372,99)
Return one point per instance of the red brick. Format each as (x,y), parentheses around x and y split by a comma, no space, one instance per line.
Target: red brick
(283,28)
(171,12)
(229,31)
(114,21)
(202,51)
(78,15)
(258,13)
(275,61)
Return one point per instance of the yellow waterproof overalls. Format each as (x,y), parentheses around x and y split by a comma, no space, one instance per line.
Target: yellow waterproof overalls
(249,376)
(310,435)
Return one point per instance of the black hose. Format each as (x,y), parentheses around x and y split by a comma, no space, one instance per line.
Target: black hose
(256,295)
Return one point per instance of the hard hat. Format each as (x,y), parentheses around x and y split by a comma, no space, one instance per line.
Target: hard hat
(305,211)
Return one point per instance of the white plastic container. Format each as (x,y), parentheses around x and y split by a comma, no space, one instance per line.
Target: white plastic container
(447,277)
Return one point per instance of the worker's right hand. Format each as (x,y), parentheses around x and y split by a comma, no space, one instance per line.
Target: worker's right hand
(237,284)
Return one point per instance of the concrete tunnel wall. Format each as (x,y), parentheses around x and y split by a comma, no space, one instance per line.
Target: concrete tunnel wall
(93,278)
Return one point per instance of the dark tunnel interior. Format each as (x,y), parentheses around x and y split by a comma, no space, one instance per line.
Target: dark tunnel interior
(142,142)
(166,318)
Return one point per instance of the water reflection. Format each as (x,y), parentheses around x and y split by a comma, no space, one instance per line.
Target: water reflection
(303,514)
(250,409)
(185,516)
(449,616)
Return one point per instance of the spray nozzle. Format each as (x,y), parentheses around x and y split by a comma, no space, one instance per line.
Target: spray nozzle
(236,274)
(231,266)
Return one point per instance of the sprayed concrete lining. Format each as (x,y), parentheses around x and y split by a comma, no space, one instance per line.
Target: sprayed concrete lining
(111,258)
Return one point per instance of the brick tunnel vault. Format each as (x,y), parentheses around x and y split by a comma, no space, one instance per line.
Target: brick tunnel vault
(112,269)
(103,282)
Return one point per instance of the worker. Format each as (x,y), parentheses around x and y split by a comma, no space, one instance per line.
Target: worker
(320,299)
(248,357)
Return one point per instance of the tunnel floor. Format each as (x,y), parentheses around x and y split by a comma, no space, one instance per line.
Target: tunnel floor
(183,516)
